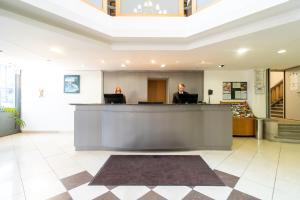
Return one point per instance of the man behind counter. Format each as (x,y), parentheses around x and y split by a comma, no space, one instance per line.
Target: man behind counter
(181,90)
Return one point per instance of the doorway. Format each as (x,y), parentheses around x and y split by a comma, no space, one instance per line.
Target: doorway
(157,90)
(276,94)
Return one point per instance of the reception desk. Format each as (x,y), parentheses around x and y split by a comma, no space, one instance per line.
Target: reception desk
(152,127)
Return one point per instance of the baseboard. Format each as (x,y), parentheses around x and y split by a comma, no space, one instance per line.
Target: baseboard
(47,131)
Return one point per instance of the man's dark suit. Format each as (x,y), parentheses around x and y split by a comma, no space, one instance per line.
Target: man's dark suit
(176,97)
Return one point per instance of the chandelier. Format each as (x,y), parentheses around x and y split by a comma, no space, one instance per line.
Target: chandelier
(149,8)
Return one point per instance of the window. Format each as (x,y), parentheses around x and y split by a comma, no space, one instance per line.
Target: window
(7,86)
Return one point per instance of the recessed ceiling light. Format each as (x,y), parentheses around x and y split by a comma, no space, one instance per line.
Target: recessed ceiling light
(221,66)
(241,51)
(56,50)
(123,65)
(153,61)
(102,61)
(163,65)
(281,51)
(127,62)
(177,61)
(203,62)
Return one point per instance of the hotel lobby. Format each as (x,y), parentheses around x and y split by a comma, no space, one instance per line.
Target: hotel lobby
(149,99)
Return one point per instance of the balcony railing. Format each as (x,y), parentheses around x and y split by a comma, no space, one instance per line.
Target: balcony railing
(162,8)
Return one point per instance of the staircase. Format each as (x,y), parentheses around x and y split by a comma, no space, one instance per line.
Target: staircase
(277,109)
(288,132)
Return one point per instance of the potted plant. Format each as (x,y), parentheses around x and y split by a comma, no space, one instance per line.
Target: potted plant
(10,121)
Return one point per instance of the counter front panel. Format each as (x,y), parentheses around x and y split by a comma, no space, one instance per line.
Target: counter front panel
(152,127)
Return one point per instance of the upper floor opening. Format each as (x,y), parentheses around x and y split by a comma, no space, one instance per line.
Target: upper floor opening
(167,8)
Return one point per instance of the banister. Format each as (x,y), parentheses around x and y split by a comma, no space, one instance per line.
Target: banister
(277,84)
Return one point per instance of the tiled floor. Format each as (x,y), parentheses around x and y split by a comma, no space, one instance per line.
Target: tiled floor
(45,165)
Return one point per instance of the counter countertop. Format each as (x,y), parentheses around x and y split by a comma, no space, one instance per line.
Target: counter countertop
(101,104)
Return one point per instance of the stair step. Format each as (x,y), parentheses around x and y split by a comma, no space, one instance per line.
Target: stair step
(277,114)
(277,111)
(287,130)
(288,133)
(289,126)
(280,139)
(288,137)
(296,124)
(276,117)
(276,105)
(280,107)
(277,108)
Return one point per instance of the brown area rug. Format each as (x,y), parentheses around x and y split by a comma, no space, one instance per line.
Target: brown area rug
(153,170)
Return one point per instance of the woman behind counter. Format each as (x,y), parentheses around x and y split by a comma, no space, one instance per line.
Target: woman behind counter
(118,90)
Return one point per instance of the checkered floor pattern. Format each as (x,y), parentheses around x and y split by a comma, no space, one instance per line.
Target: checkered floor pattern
(78,189)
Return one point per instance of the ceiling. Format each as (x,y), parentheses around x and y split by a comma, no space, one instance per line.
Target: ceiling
(27,42)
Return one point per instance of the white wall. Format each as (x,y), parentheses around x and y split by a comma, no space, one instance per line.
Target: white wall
(292,97)
(53,112)
(213,79)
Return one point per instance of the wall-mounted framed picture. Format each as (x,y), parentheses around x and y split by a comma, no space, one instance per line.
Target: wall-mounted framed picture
(71,83)
(260,80)
(235,90)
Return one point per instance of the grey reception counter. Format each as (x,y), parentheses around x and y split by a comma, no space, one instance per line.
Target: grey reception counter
(152,127)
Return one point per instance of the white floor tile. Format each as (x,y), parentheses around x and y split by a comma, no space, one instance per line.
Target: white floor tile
(33,168)
(12,188)
(64,166)
(6,155)
(254,189)
(288,186)
(282,195)
(18,197)
(130,192)
(42,186)
(215,192)
(23,156)
(213,159)
(9,170)
(261,177)
(172,192)
(233,166)
(89,161)
(87,192)
(50,150)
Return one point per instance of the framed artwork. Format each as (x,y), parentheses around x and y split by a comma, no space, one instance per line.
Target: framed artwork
(260,81)
(235,90)
(71,83)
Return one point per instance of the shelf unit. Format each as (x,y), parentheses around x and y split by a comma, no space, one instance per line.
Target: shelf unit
(244,121)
